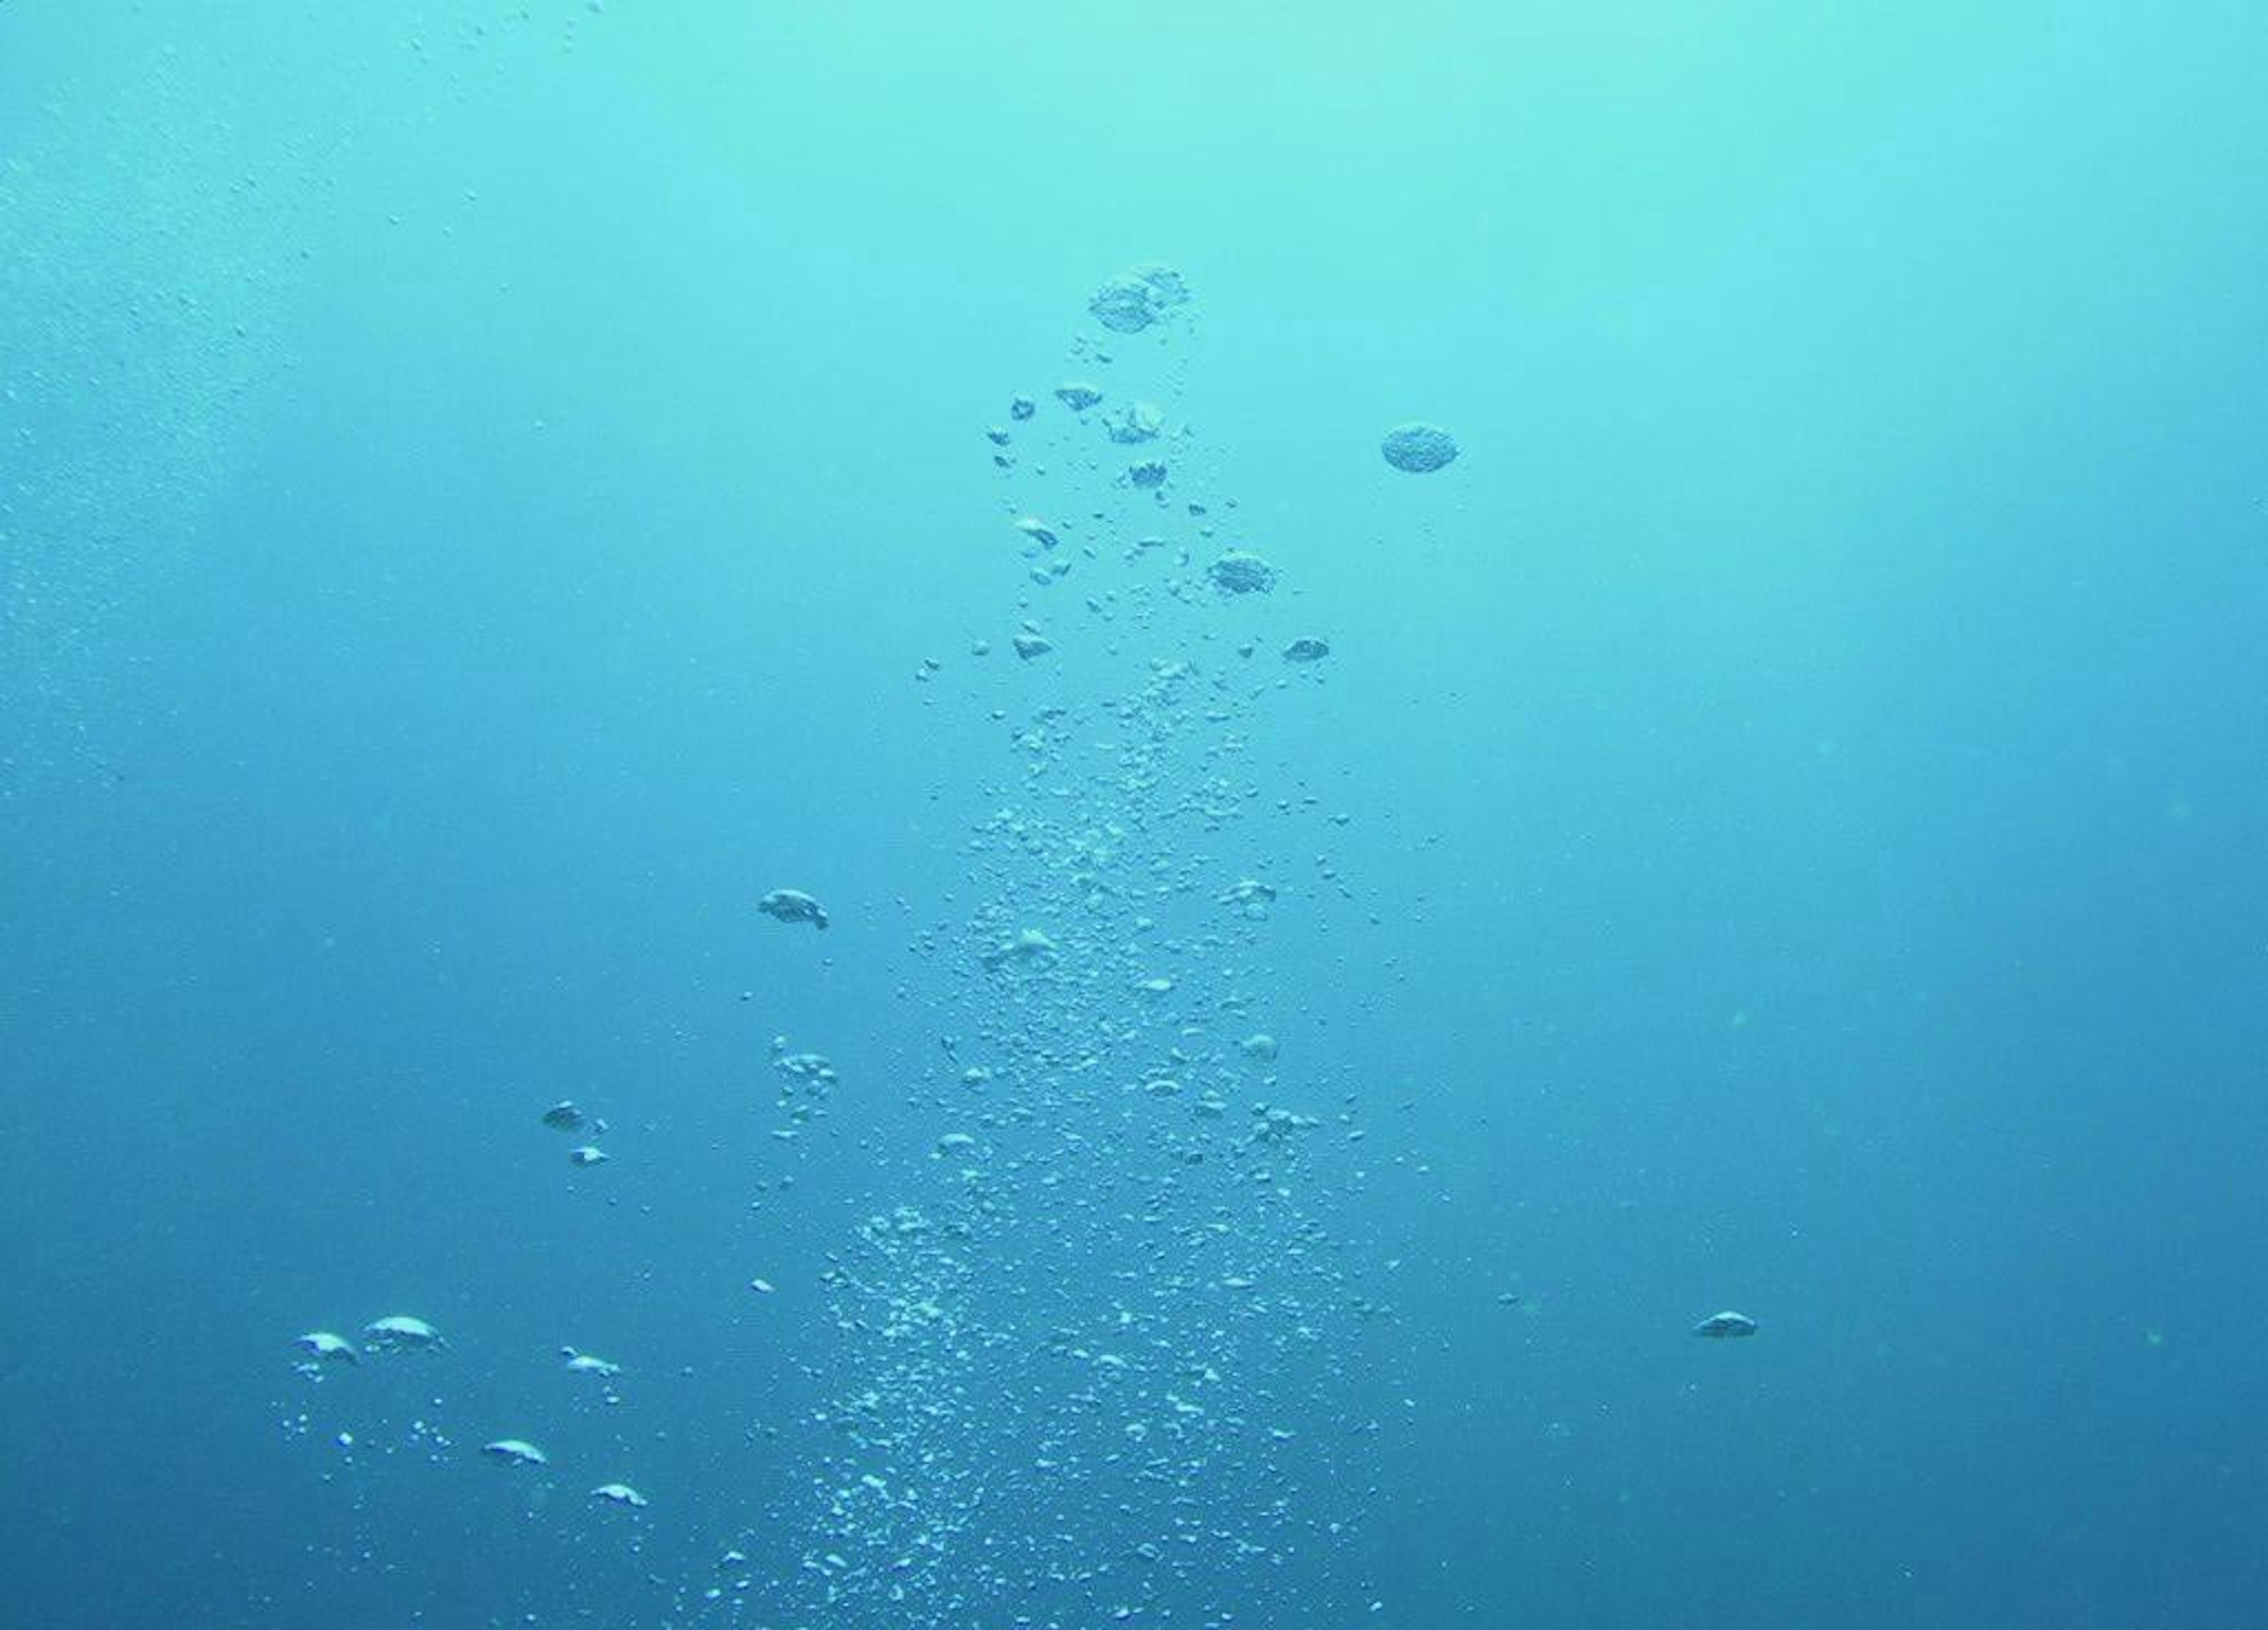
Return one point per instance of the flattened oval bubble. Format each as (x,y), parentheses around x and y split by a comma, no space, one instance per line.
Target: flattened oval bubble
(619,1495)
(1727,1325)
(326,1348)
(400,1332)
(1418,448)
(514,1451)
(1240,572)
(792,905)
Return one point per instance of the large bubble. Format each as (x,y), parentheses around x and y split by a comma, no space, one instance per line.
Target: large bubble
(1138,297)
(1418,448)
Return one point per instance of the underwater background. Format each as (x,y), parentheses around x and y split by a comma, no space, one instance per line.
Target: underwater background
(1329,971)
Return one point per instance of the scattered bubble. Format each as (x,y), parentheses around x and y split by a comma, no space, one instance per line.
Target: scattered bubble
(1418,448)
(1138,297)
(792,905)
(1241,572)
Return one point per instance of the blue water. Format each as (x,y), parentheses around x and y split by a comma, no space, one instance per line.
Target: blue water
(489,490)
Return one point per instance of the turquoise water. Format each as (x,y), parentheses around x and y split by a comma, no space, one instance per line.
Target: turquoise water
(491,492)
